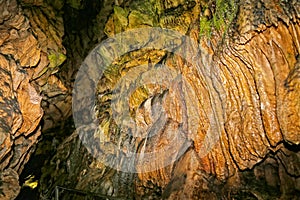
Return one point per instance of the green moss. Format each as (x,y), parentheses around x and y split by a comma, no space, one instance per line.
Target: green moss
(144,12)
(121,15)
(139,18)
(205,27)
(221,18)
(56,59)
(145,6)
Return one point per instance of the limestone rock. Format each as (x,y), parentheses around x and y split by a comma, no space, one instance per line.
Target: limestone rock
(9,184)
(242,95)
(24,53)
(231,108)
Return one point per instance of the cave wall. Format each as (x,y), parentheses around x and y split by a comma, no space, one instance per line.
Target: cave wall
(36,78)
(239,93)
(31,50)
(243,92)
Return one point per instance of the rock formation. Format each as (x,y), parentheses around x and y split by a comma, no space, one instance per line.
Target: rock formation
(225,111)
(31,50)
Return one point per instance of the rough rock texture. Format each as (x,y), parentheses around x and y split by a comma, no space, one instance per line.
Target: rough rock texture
(243,95)
(47,26)
(28,58)
(237,105)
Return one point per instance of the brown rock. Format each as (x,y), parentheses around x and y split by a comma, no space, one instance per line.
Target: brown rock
(237,106)
(20,96)
(238,94)
(9,184)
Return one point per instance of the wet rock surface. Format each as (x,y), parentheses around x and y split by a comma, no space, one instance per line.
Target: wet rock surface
(236,105)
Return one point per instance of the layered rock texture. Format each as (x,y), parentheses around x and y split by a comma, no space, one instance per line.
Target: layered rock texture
(219,97)
(30,52)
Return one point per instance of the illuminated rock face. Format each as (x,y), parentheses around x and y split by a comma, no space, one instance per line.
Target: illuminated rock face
(237,104)
(27,63)
(236,94)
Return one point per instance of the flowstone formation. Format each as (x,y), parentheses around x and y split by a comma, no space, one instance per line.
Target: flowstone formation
(242,95)
(229,99)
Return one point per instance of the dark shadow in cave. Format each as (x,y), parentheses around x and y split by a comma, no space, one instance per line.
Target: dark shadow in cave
(77,24)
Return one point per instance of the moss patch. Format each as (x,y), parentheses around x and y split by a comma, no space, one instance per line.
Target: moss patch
(56,59)
(217,16)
